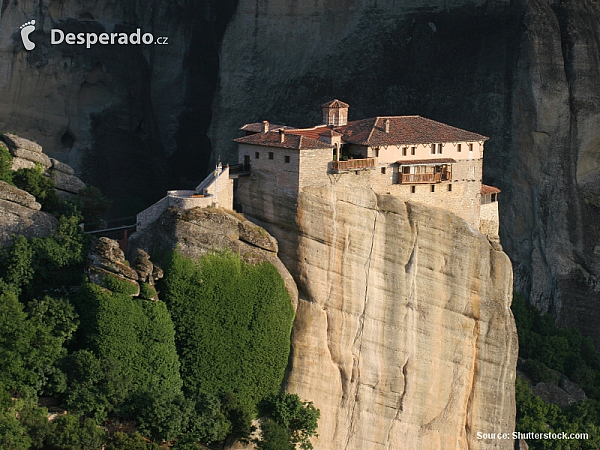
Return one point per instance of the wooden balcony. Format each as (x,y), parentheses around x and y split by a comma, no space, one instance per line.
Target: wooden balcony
(413,178)
(353,164)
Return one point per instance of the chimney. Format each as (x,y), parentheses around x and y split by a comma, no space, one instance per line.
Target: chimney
(386,125)
(281,135)
(265,127)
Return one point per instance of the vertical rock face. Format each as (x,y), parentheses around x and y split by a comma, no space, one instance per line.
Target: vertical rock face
(403,336)
(523,72)
(121,115)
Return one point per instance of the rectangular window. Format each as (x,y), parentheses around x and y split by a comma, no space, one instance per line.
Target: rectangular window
(433,149)
(383,170)
(256,155)
(413,151)
(470,147)
(493,197)
(433,188)
(458,148)
(440,149)
(376,153)
(270,155)
(449,188)
(287,159)
(413,189)
(404,151)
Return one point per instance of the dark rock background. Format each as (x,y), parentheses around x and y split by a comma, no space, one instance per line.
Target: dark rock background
(131,120)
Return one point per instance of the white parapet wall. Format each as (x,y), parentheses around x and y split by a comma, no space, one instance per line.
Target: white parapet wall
(217,190)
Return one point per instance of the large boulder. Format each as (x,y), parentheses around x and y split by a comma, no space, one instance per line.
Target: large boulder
(26,153)
(20,215)
(107,259)
(200,230)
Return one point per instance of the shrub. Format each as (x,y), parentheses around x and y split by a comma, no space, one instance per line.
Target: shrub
(38,185)
(119,285)
(298,418)
(28,349)
(147,292)
(137,337)
(6,172)
(537,371)
(71,432)
(274,436)
(233,323)
(124,441)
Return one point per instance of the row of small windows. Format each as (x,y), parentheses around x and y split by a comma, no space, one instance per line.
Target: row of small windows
(439,147)
(413,151)
(286,158)
(413,189)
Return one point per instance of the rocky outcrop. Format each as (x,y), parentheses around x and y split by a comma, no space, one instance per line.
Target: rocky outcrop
(20,215)
(197,231)
(522,72)
(403,336)
(27,154)
(107,259)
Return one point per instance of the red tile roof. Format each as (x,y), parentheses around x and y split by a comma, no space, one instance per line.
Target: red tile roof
(404,130)
(312,133)
(485,189)
(416,162)
(335,104)
(257,127)
(271,139)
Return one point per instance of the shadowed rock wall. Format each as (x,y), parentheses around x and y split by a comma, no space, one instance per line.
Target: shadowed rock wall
(131,119)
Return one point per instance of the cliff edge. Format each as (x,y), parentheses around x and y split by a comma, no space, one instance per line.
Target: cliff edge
(404,334)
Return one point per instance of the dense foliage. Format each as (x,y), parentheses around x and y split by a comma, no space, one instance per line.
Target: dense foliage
(545,347)
(289,421)
(135,338)
(233,323)
(6,173)
(107,353)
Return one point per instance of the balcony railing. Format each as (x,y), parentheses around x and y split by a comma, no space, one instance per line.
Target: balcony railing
(421,177)
(354,164)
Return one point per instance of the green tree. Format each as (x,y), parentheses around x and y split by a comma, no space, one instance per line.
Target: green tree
(299,418)
(13,435)
(124,441)
(16,265)
(164,417)
(233,323)
(6,172)
(274,436)
(38,185)
(71,432)
(135,339)
(28,349)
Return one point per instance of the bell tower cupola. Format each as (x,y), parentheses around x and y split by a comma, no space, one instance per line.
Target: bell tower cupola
(335,113)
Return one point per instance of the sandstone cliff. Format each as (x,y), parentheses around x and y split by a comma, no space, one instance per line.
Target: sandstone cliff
(403,336)
(523,72)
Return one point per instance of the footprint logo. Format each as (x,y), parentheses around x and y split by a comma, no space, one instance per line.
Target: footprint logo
(26,29)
